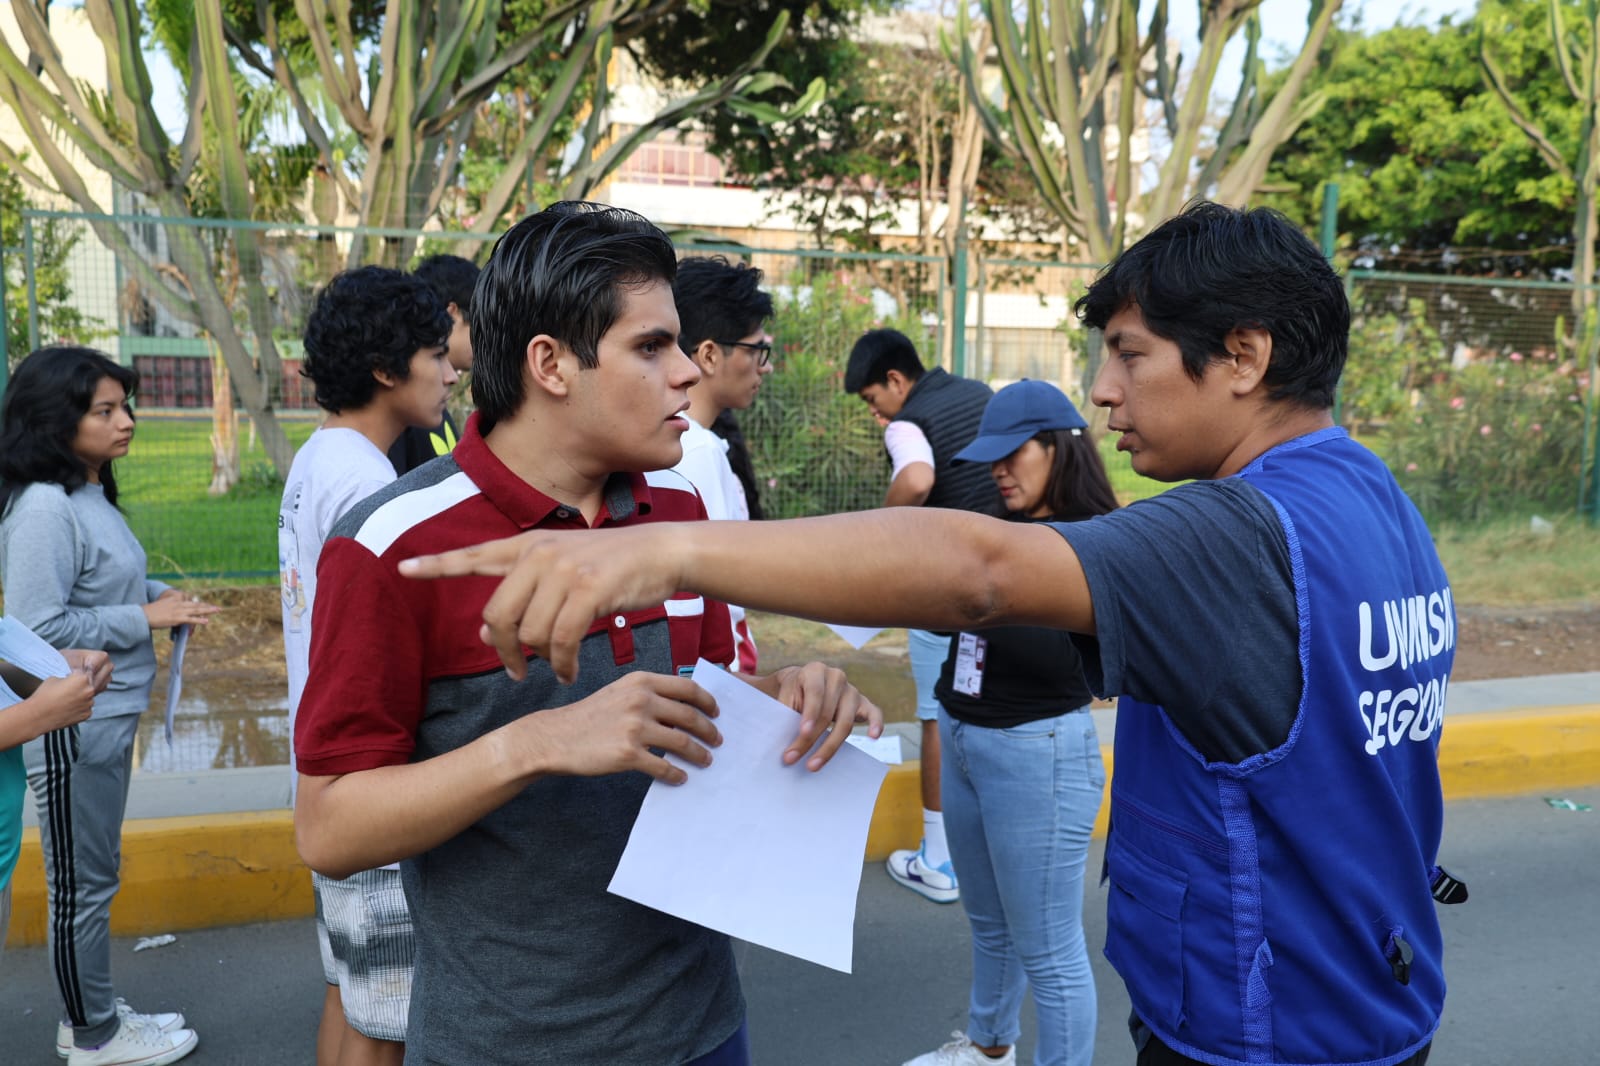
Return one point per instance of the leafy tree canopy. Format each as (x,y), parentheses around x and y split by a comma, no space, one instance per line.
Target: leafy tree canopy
(1432,173)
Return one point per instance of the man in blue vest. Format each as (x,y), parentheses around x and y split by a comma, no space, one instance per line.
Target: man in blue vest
(1280,630)
(927,416)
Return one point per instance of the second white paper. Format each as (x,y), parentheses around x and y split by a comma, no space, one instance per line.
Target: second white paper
(768,853)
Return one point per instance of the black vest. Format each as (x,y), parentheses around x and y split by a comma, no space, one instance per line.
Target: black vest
(947,410)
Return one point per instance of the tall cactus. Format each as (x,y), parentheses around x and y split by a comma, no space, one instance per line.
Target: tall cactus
(119,132)
(434,65)
(1074,81)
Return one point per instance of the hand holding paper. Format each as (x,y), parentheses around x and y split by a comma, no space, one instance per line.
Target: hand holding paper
(706,852)
(826,700)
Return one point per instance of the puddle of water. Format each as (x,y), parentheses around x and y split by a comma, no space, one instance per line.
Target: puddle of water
(219,725)
(222,723)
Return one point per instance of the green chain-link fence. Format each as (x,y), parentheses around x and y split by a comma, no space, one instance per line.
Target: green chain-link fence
(1466,387)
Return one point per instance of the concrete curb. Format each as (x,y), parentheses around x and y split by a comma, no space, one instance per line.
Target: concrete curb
(198,871)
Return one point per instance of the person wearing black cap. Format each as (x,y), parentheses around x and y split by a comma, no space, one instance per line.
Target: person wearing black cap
(1022,774)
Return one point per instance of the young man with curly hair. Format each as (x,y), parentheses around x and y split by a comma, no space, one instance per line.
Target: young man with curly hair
(376,348)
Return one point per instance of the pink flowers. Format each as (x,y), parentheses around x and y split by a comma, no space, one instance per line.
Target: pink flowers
(1516,357)
(1537,427)
(1411,468)
(1457,403)
(1484,431)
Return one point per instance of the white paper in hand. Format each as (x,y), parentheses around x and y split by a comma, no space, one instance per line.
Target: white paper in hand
(27,659)
(750,847)
(180,644)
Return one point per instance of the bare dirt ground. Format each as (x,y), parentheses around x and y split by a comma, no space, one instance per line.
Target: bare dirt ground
(1522,641)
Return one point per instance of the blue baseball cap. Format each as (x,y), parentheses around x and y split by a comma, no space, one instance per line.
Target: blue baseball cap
(1014,416)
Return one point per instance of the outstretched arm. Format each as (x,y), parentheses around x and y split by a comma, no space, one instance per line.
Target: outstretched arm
(929,569)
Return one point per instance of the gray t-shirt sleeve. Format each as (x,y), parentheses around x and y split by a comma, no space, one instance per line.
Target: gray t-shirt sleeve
(1194,607)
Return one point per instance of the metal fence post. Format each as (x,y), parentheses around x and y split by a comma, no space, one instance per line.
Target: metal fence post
(33,290)
(1330,218)
(5,325)
(958,309)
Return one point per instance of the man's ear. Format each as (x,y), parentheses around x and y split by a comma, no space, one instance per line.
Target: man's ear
(550,365)
(1250,352)
(896,381)
(707,355)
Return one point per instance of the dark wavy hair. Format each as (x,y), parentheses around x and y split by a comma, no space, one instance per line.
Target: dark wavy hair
(1212,269)
(49,393)
(1078,485)
(875,354)
(366,319)
(718,301)
(561,272)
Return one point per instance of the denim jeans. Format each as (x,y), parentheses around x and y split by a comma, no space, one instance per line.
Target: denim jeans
(1019,805)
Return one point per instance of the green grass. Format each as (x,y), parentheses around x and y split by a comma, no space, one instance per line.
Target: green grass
(185,531)
(1506,564)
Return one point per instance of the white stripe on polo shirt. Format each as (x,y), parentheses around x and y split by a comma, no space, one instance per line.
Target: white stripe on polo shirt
(390,522)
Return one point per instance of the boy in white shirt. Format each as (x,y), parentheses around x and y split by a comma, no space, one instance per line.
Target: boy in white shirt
(722,315)
(376,348)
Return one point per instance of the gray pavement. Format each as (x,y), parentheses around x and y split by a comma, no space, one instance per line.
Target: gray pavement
(1522,968)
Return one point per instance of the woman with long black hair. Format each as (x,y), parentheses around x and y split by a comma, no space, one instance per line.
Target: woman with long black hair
(1022,772)
(74,573)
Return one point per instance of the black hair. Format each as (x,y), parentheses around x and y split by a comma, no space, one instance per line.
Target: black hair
(364,320)
(560,272)
(49,393)
(1078,486)
(1212,269)
(718,301)
(875,354)
(726,426)
(452,279)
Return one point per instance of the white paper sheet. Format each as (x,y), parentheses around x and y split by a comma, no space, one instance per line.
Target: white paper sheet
(180,644)
(886,749)
(750,847)
(855,636)
(22,649)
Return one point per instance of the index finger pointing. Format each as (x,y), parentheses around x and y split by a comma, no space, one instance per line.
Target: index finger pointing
(495,558)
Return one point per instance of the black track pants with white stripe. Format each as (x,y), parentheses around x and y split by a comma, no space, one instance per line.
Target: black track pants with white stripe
(79,778)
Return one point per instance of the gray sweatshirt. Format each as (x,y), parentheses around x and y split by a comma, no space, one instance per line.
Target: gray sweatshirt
(73,572)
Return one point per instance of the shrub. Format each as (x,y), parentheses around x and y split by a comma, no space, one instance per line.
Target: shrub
(815,449)
(1493,438)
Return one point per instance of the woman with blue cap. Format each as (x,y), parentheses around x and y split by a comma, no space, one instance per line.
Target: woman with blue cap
(1021,762)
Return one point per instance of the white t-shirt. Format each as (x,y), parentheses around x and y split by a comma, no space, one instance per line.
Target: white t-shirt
(331,473)
(906,444)
(705,465)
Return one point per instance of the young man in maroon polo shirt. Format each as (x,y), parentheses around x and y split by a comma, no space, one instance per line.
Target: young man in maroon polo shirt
(508,800)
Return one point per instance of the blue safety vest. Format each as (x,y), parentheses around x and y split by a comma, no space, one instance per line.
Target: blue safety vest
(1278,910)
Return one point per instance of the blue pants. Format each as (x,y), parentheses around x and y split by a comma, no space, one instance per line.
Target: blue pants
(1019,806)
(928,652)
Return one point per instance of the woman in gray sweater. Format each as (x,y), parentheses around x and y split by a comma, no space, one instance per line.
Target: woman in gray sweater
(74,573)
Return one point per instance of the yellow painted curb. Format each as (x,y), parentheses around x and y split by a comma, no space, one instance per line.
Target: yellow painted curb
(208,870)
(1503,753)
(183,873)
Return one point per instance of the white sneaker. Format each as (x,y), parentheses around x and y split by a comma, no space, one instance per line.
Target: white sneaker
(165,1022)
(137,1043)
(911,868)
(963,1052)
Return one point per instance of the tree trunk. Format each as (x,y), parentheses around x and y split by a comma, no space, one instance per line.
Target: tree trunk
(224,429)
